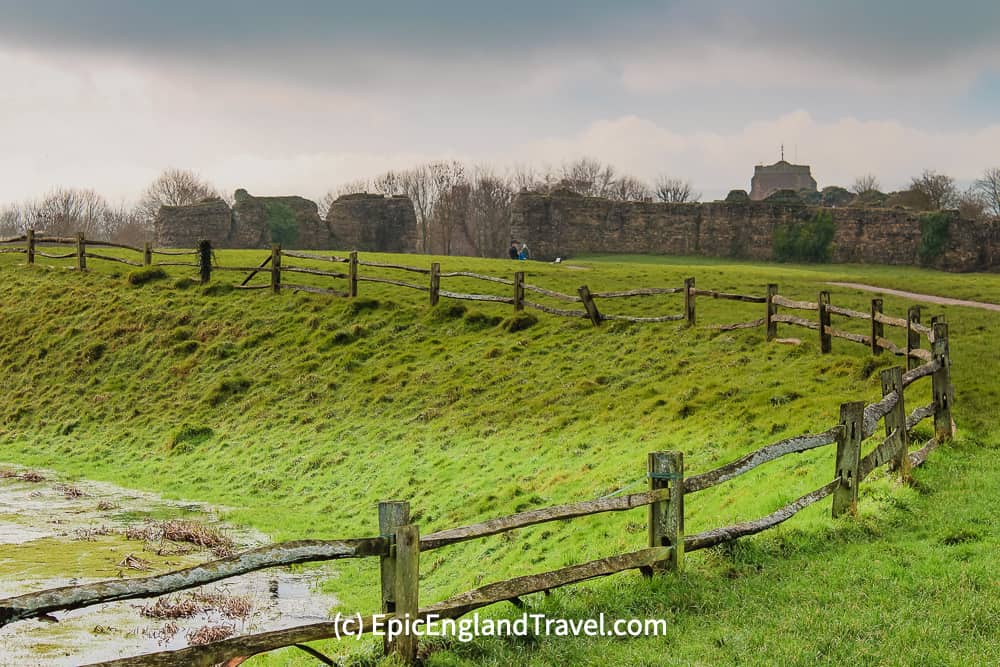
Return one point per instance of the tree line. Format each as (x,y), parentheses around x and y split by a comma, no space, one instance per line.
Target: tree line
(66,211)
(465,209)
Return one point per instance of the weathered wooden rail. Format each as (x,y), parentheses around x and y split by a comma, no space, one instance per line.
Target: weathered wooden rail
(33,242)
(276,268)
(399,543)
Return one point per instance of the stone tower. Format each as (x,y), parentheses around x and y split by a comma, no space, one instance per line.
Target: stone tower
(780,176)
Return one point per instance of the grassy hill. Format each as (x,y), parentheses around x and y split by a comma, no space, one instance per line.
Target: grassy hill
(302,411)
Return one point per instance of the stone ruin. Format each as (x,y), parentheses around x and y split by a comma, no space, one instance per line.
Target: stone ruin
(782,175)
(354,222)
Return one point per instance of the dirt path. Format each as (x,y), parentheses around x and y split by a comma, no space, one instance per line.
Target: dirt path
(928,298)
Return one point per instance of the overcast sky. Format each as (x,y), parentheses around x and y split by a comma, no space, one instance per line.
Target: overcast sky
(301,95)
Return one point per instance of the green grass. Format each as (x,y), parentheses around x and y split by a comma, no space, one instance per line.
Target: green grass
(301,412)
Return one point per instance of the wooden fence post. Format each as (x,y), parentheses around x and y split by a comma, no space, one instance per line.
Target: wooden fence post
(878,329)
(588,303)
(392,514)
(407,590)
(912,336)
(825,339)
(81,251)
(895,421)
(205,260)
(31,246)
(276,268)
(147,253)
(518,291)
(666,518)
(944,393)
(689,297)
(435,283)
(772,310)
(353,274)
(845,496)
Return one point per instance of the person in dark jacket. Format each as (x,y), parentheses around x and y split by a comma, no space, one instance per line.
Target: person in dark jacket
(512,251)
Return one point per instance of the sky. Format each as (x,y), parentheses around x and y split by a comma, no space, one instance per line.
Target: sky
(300,96)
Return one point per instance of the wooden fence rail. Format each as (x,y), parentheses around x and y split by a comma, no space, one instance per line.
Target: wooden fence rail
(589,299)
(33,241)
(400,544)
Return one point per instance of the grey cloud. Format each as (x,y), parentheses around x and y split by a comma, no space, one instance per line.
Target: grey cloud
(437,45)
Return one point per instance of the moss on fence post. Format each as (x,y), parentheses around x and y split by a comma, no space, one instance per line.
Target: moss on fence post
(845,496)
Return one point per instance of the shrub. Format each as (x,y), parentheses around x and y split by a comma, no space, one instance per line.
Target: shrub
(281,223)
(805,241)
(143,276)
(934,234)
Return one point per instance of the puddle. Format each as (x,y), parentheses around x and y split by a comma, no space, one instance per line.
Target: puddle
(56,534)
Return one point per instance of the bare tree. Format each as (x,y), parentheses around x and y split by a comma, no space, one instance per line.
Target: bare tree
(13,219)
(347,188)
(451,205)
(174,187)
(127,224)
(629,188)
(390,183)
(939,189)
(418,185)
(67,211)
(971,204)
(489,212)
(674,190)
(865,184)
(988,188)
(588,177)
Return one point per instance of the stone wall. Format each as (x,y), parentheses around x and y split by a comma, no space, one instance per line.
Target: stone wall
(564,224)
(184,226)
(355,222)
(374,223)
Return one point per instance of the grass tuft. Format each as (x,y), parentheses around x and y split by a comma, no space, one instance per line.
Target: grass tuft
(148,275)
(519,322)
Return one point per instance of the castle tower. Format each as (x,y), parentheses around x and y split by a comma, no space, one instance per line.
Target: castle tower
(781,175)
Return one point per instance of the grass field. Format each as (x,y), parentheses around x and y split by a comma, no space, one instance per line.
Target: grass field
(302,411)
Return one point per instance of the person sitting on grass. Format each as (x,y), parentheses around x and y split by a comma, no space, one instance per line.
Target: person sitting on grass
(524,252)
(512,251)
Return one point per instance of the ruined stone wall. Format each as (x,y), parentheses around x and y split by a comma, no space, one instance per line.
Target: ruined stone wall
(250,216)
(374,223)
(355,222)
(564,224)
(185,226)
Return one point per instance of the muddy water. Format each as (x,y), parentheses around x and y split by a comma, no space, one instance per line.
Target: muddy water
(54,534)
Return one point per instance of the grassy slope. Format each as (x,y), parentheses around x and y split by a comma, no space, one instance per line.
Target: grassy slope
(302,412)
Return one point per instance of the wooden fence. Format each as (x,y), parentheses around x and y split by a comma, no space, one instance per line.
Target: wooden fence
(277,269)
(399,543)
(34,245)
